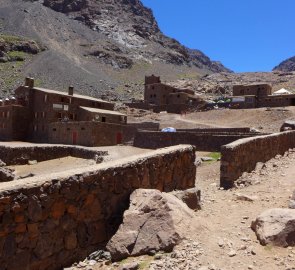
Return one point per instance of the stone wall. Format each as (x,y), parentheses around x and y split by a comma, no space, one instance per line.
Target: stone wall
(51,222)
(21,155)
(90,133)
(243,155)
(203,141)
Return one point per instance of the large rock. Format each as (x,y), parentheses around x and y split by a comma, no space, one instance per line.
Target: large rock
(276,226)
(6,174)
(288,125)
(155,221)
(191,197)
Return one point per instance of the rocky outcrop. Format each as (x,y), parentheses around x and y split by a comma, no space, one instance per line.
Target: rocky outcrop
(13,48)
(287,65)
(6,174)
(276,227)
(134,27)
(152,223)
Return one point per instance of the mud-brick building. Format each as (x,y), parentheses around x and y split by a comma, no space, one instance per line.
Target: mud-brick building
(158,93)
(260,95)
(29,115)
(258,90)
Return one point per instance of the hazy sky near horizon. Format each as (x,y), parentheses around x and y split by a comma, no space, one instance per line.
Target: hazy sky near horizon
(245,35)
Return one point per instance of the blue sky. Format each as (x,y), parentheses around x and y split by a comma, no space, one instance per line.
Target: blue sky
(245,35)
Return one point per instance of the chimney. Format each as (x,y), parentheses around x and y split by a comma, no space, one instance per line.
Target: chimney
(71,90)
(29,82)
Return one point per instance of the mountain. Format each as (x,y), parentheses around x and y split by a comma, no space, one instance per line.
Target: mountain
(104,48)
(287,65)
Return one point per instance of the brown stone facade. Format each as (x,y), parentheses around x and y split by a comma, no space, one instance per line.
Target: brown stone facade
(203,140)
(90,133)
(242,155)
(28,115)
(258,90)
(49,223)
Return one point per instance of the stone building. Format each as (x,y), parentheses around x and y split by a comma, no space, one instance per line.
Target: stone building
(29,115)
(162,97)
(260,95)
(158,93)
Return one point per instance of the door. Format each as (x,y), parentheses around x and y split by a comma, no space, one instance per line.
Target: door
(119,138)
(75,135)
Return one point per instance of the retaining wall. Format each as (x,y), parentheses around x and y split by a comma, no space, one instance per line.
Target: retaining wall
(242,156)
(203,141)
(14,155)
(51,222)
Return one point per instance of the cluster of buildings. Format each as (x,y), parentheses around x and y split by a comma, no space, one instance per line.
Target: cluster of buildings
(48,116)
(259,95)
(162,97)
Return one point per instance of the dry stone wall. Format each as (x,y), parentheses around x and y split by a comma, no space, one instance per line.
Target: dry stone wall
(49,223)
(203,141)
(21,155)
(243,155)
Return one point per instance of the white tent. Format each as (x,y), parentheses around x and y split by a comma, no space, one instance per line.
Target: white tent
(282,91)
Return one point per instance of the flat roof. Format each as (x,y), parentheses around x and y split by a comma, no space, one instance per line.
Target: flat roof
(49,91)
(95,110)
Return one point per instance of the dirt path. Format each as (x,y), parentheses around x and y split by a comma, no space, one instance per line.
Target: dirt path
(225,240)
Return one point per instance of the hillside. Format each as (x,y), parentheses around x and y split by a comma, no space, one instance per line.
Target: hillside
(287,65)
(103,48)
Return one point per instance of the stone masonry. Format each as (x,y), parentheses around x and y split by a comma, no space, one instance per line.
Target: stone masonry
(52,221)
(242,155)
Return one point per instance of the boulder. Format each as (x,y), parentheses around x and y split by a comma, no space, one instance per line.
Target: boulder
(276,227)
(155,221)
(191,197)
(288,125)
(6,174)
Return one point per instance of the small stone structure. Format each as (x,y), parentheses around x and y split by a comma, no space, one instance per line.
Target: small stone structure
(203,140)
(52,221)
(20,155)
(242,155)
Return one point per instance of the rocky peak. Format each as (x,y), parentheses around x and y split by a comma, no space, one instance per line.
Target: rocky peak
(286,66)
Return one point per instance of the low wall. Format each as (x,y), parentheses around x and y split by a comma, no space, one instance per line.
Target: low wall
(218,130)
(202,141)
(21,155)
(243,155)
(146,126)
(49,223)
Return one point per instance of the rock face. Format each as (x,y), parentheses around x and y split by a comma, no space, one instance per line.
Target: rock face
(276,226)
(152,223)
(133,26)
(287,65)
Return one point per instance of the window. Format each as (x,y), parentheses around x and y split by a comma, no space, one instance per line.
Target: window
(66,107)
(59,115)
(103,119)
(151,96)
(45,98)
(155,95)
(153,87)
(54,129)
(71,116)
(68,129)
(57,106)
(82,128)
(178,96)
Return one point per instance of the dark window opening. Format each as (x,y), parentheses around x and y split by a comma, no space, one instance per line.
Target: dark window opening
(68,129)
(103,119)
(54,129)
(71,116)
(82,128)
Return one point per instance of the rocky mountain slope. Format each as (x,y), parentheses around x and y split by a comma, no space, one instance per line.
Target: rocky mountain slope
(103,48)
(287,65)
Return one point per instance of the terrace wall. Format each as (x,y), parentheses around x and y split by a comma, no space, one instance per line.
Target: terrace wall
(49,223)
(203,141)
(242,156)
(21,155)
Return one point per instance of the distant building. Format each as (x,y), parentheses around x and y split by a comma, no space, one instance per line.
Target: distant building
(34,113)
(162,97)
(260,95)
